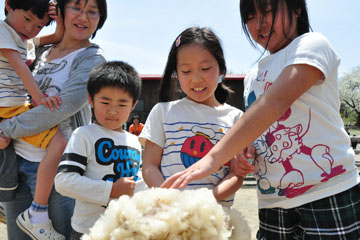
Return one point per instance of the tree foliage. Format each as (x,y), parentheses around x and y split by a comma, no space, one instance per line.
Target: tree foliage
(350,92)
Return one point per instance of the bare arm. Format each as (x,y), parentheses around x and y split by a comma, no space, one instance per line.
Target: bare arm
(290,85)
(229,185)
(23,71)
(151,164)
(57,36)
(73,99)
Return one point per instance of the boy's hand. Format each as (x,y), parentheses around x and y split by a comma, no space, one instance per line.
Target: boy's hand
(49,102)
(53,10)
(123,186)
(4,142)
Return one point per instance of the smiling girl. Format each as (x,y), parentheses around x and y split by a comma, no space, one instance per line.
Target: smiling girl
(178,132)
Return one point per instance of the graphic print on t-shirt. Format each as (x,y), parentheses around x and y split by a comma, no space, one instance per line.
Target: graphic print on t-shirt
(46,83)
(280,146)
(125,159)
(196,147)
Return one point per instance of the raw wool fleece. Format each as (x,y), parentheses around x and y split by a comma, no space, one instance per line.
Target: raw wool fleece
(162,214)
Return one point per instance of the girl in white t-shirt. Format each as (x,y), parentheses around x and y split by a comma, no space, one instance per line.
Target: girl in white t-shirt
(178,132)
(308,184)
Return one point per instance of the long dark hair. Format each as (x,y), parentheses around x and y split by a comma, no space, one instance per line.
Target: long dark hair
(248,7)
(169,89)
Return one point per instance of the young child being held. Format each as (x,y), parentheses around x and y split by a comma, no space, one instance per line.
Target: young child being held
(24,20)
(178,132)
(101,160)
(308,184)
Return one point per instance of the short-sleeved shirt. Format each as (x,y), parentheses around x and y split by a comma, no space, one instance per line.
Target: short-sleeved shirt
(136,130)
(12,89)
(306,154)
(51,77)
(186,131)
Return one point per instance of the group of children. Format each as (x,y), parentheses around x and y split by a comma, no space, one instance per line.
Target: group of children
(308,185)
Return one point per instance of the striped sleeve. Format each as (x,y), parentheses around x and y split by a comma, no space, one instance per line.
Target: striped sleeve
(72,162)
(74,159)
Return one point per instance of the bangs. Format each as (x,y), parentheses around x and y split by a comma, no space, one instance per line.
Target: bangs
(249,7)
(37,7)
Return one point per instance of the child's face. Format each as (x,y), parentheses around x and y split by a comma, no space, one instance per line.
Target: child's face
(198,73)
(112,107)
(26,24)
(282,32)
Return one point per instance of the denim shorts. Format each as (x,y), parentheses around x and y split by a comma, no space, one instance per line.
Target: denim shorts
(60,207)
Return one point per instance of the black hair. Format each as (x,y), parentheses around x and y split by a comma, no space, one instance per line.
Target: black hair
(37,7)
(135,117)
(248,7)
(102,6)
(115,74)
(194,35)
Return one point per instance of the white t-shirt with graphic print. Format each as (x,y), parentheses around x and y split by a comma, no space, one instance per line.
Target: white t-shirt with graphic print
(50,77)
(306,154)
(93,159)
(186,131)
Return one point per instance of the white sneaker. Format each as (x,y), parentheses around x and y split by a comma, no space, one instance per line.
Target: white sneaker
(2,213)
(43,231)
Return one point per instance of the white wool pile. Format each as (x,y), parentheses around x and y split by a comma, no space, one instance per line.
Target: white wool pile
(159,214)
(241,228)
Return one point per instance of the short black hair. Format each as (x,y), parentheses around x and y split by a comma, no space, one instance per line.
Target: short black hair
(102,6)
(206,38)
(115,74)
(37,7)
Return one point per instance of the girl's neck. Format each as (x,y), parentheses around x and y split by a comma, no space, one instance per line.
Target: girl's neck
(210,103)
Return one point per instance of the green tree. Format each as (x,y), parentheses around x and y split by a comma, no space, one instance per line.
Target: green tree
(350,92)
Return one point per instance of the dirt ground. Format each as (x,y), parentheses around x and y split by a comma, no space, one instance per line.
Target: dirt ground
(245,202)
(3,232)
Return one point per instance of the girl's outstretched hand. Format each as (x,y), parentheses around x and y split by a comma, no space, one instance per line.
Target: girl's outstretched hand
(200,169)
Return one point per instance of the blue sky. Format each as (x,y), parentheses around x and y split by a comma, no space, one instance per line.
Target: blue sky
(141,32)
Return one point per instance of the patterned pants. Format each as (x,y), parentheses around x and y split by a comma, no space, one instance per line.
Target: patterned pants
(333,218)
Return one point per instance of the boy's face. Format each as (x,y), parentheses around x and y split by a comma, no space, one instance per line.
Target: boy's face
(112,107)
(25,23)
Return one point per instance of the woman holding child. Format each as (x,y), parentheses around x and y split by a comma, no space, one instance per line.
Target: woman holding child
(65,68)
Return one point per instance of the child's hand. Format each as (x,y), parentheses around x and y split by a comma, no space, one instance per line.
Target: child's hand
(4,142)
(123,186)
(241,164)
(55,14)
(49,102)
